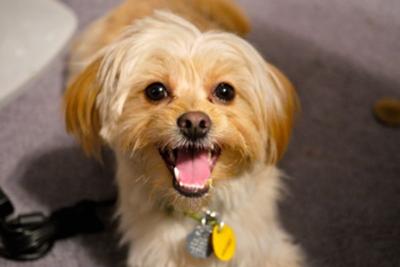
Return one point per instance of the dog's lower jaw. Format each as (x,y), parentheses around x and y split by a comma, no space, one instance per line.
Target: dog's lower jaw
(247,204)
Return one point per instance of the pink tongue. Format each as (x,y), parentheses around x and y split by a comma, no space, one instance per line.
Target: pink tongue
(194,168)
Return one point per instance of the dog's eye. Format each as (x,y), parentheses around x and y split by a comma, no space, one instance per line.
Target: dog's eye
(224,92)
(156,91)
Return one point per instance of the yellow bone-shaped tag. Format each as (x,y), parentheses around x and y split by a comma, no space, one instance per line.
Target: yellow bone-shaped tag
(224,242)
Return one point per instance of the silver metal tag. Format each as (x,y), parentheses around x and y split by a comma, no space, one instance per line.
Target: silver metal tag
(198,242)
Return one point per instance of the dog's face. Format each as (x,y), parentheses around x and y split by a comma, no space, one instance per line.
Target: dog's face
(192,110)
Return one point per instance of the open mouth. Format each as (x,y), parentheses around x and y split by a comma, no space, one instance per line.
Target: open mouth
(191,168)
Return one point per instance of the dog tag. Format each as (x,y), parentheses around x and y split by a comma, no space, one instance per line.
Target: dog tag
(223,242)
(198,242)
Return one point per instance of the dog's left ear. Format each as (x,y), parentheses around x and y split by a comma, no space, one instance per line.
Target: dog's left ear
(281,116)
(81,114)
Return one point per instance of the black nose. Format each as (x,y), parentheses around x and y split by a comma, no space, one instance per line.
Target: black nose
(194,125)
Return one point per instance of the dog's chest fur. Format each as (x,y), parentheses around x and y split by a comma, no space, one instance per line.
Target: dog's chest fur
(247,204)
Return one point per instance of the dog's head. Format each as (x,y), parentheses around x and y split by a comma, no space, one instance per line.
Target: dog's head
(189,109)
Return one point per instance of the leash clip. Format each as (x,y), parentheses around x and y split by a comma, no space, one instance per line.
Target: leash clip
(23,237)
(26,237)
(212,218)
(30,236)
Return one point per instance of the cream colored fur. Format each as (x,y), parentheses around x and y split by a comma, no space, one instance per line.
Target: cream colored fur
(247,204)
(106,102)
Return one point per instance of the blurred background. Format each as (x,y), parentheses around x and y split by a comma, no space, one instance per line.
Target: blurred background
(343,201)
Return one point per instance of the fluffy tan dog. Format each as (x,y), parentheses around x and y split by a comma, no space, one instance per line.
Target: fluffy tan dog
(197,119)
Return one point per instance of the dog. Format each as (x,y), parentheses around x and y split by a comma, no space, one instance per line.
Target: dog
(197,120)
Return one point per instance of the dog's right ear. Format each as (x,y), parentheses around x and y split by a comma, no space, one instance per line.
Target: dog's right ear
(81,114)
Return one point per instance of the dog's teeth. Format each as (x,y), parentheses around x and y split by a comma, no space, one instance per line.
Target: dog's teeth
(210,159)
(176,172)
(194,187)
(199,186)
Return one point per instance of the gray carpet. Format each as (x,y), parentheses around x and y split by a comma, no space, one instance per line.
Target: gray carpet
(344,200)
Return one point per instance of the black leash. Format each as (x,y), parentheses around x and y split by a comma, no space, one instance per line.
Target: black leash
(30,236)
